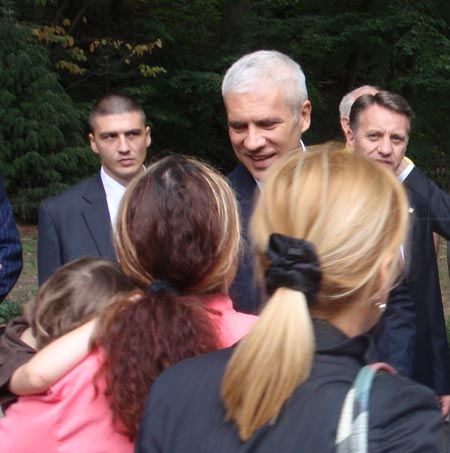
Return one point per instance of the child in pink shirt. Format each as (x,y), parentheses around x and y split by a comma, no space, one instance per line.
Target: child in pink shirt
(72,415)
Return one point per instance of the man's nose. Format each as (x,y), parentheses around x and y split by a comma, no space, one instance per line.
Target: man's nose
(123,143)
(254,139)
(385,146)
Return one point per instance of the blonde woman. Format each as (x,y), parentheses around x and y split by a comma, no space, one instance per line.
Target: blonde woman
(327,231)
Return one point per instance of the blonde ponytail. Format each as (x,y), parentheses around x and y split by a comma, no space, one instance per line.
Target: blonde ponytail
(268,364)
(352,213)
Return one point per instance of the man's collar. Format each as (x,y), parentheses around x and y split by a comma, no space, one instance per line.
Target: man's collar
(405,173)
(108,181)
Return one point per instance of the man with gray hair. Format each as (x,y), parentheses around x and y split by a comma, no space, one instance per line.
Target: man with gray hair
(268,110)
(379,127)
(77,222)
(346,104)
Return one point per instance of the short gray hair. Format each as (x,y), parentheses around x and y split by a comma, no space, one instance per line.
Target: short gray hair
(348,100)
(268,68)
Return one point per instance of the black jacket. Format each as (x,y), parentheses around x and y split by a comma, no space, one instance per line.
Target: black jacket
(184,413)
(430,362)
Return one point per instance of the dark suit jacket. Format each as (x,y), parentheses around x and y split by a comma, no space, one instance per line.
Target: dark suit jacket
(10,246)
(395,333)
(438,201)
(73,224)
(244,291)
(185,413)
(431,364)
(432,361)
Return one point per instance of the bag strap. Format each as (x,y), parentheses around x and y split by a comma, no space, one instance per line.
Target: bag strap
(352,433)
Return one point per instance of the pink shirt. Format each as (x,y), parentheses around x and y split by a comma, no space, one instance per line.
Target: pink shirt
(65,419)
(232,325)
(69,419)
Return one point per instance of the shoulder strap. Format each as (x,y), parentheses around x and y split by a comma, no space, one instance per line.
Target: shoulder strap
(352,433)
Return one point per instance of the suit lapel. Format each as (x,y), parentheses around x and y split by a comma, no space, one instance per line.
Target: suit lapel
(245,187)
(96,215)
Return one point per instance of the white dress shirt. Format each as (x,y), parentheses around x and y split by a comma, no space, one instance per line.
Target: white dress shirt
(114,193)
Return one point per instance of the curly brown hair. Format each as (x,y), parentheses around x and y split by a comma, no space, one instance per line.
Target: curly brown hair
(177,223)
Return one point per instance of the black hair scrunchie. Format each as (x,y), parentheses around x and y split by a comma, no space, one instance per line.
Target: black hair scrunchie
(293,264)
(162,287)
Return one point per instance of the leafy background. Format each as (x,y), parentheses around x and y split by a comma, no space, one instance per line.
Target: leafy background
(58,56)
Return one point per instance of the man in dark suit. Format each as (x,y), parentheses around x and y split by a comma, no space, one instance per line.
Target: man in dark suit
(437,199)
(10,246)
(268,109)
(78,222)
(379,128)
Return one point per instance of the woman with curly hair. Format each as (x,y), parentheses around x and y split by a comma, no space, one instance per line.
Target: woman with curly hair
(177,238)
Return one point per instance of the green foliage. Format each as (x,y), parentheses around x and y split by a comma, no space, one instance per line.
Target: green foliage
(401,46)
(90,44)
(171,55)
(184,105)
(38,123)
(9,310)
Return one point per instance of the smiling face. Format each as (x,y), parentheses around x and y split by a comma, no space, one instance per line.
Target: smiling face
(262,128)
(381,134)
(121,141)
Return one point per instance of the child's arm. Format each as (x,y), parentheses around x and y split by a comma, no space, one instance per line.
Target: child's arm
(52,362)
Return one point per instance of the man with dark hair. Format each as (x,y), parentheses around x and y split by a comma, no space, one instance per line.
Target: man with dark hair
(438,199)
(10,246)
(380,126)
(268,109)
(77,222)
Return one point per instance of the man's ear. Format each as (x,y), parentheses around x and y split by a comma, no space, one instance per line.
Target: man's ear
(305,116)
(345,125)
(350,137)
(148,136)
(93,143)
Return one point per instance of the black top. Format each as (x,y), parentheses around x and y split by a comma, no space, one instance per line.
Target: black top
(184,412)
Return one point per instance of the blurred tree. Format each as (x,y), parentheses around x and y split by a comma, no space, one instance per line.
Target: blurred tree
(90,43)
(171,56)
(403,46)
(185,103)
(41,149)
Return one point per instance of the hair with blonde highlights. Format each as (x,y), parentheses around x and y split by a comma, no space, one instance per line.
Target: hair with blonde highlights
(354,212)
(177,223)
